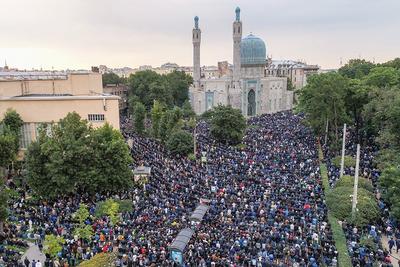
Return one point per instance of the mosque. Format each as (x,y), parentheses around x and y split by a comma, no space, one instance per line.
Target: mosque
(247,87)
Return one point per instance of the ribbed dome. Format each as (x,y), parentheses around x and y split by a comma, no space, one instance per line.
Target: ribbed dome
(252,51)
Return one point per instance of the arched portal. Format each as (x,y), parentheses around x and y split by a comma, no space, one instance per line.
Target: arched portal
(251,103)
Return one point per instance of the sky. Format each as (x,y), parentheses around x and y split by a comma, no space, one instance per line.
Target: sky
(78,34)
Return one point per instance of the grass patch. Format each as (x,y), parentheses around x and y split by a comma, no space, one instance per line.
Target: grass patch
(349,161)
(340,241)
(241,146)
(18,249)
(337,231)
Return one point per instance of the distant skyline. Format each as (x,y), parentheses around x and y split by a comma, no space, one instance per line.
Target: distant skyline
(78,34)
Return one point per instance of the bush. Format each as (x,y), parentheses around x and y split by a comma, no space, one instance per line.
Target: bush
(125,205)
(191,157)
(349,161)
(101,259)
(369,242)
(339,201)
(180,142)
(348,181)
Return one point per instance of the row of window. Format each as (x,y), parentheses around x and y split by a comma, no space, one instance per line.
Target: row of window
(96,117)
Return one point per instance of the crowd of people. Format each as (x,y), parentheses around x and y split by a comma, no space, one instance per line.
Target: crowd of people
(266,205)
(364,254)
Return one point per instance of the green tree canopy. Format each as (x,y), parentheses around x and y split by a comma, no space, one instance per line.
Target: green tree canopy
(339,201)
(348,181)
(74,157)
(139,115)
(356,68)
(227,124)
(156,115)
(170,89)
(53,245)
(324,98)
(383,77)
(180,142)
(112,78)
(390,182)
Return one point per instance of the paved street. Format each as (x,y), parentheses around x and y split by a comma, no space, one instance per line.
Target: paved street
(394,256)
(33,253)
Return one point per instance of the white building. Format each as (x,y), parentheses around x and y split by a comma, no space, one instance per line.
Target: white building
(247,87)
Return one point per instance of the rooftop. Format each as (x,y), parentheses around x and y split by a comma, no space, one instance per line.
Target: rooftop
(38,75)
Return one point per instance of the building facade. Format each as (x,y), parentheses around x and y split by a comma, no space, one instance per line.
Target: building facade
(47,97)
(245,87)
(120,90)
(296,71)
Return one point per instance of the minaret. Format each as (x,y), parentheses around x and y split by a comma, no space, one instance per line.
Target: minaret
(237,38)
(196,52)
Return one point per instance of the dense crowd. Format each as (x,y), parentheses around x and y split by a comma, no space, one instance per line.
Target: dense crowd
(267,205)
(362,254)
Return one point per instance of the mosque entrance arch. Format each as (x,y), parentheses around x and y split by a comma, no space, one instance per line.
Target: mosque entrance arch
(251,103)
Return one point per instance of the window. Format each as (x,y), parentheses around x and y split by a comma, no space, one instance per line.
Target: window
(26,135)
(96,117)
(239,29)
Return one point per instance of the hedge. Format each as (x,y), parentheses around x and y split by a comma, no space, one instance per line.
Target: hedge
(349,161)
(348,181)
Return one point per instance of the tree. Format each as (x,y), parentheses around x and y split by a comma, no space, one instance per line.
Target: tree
(170,89)
(227,124)
(111,158)
(383,77)
(156,114)
(12,120)
(109,208)
(139,115)
(83,230)
(395,63)
(56,164)
(339,201)
(390,183)
(178,86)
(7,151)
(381,116)
(53,245)
(112,78)
(180,142)
(348,181)
(356,97)
(356,68)
(139,85)
(323,98)
(187,110)
(74,157)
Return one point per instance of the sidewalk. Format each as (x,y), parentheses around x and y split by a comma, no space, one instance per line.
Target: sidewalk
(395,257)
(33,253)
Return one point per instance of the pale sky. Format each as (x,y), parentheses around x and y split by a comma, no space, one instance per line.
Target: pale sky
(77,34)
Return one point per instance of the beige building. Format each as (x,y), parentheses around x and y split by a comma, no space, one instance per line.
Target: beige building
(120,90)
(46,97)
(296,71)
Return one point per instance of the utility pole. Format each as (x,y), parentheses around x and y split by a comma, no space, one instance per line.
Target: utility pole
(354,206)
(343,150)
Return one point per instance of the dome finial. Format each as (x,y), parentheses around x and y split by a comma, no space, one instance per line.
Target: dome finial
(196,22)
(237,11)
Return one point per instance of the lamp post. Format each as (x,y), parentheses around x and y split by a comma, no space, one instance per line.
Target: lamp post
(343,150)
(355,190)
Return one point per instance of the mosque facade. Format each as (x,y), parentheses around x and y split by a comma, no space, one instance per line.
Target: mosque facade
(247,87)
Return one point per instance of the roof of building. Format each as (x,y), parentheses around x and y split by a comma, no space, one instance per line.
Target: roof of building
(46,97)
(181,240)
(276,64)
(199,212)
(252,51)
(38,75)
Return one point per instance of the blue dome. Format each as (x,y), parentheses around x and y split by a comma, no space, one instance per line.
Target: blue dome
(252,51)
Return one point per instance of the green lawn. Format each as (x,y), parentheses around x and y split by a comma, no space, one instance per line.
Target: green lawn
(338,234)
